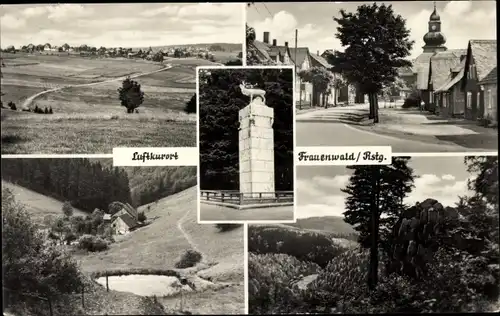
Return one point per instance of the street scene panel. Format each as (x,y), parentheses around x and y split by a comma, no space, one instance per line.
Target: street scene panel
(84,78)
(420,235)
(246,143)
(430,86)
(81,237)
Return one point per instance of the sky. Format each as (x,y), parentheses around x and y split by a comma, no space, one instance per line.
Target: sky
(460,22)
(319,187)
(125,25)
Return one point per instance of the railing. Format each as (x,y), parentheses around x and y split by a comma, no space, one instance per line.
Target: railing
(235,197)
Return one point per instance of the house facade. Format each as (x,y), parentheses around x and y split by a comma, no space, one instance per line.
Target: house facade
(122,224)
(481,60)
(450,97)
(489,86)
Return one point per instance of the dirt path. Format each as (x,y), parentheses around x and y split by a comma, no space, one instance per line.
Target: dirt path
(28,101)
(180,222)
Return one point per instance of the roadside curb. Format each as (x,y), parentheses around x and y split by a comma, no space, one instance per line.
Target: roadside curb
(319,120)
(248,206)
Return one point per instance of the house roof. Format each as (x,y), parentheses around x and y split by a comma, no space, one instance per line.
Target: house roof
(320,60)
(107,217)
(261,48)
(421,68)
(442,64)
(128,220)
(452,80)
(491,77)
(302,53)
(484,53)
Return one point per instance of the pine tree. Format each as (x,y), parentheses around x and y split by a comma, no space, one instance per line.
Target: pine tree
(374,201)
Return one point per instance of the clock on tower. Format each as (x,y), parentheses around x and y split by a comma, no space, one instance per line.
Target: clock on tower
(433,27)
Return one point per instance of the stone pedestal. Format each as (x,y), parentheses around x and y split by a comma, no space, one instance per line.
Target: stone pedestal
(256,147)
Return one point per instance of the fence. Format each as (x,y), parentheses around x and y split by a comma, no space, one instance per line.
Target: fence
(235,197)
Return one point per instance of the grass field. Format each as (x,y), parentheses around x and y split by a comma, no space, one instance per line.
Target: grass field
(38,205)
(89,118)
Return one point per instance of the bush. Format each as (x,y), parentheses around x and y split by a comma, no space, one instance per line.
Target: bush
(227,227)
(411,103)
(191,105)
(29,265)
(12,106)
(92,243)
(189,259)
(141,217)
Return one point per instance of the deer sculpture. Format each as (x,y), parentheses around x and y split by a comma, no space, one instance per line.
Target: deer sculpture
(250,91)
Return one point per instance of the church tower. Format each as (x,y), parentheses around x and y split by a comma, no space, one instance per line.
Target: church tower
(434,39)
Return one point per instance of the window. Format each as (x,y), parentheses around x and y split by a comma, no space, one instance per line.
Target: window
(490,101)
(445,100)
(478,99)
(469,100)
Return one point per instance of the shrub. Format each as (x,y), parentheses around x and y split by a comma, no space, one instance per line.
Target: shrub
(92,243)
(227,227)
(141,217)
(50,111)
(411,103)
(12,106)
(29,265)
(189,259)
(191,105)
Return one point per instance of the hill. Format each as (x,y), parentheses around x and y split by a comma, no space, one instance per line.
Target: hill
(159,245)
(38,205)
(331,224)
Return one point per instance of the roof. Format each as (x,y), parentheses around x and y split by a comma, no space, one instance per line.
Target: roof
(421,68)
(442,64)
(452,80)
(484,53)
(128,220)
(278,51)
(321,61)
(302,53)
(491,77)
(261,48)
(107,217)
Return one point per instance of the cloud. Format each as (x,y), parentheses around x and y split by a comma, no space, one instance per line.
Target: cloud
(203,10)
(168,10)
(11,22)
(448,177)
(322,196)
(34,11)
(64,12)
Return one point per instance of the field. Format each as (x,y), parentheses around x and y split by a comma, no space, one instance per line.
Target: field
(38,206)
(88,118)
(160,244)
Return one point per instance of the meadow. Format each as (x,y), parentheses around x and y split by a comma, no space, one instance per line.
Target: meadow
(88,118)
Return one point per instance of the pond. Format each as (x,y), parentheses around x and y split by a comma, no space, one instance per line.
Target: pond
(145,285)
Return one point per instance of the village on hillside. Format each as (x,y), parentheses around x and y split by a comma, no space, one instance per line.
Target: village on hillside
(457,85)
(154,54)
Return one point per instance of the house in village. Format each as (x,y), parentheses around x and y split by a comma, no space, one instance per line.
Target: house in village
(450,101)
(440,66)
(480,62)
(489,84)
(125,220)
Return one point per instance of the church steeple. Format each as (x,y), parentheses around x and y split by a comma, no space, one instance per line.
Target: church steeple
(434,39)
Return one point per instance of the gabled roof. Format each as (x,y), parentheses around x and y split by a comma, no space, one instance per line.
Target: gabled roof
(484,53)
(421,68)
(302,53)
(128,220)
(491,77)
(261,48)
(442,63)
(320,61)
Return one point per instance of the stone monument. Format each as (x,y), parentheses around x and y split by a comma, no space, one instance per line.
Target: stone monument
(256,144)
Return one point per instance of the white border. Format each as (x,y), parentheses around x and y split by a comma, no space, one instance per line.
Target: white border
(245,264)
(447,154)
(198,203)
(47,156)
(244,44)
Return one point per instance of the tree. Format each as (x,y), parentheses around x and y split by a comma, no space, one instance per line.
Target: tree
(191,105)
(392,89)
(158,57)
(66,47)
(141,217)
(50,110)
(376,41)
(131,95)
(67,209)
(320,78)
(234,62)
(374,191)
